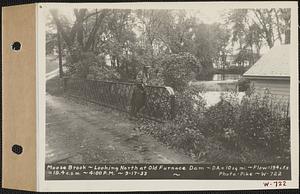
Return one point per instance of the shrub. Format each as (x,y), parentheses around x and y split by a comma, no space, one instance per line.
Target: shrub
(219,117)
(78,64)
(91,66)
(178,70)
(264,126)
(250,129)
(185,131)
(190,106)
(223,115)
(258,122)
(243,84)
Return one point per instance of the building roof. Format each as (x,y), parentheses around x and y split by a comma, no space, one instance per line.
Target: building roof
(275,63)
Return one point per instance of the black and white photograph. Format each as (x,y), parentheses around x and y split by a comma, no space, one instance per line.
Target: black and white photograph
(168,88)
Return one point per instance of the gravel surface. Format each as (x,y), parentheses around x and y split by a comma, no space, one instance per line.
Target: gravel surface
(86,133)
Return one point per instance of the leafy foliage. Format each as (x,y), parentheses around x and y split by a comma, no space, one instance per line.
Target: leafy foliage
(243,84)
(133,38)
(254,28)
(178,70)
(179,48)
(255,129)
(263,125)
(90,66)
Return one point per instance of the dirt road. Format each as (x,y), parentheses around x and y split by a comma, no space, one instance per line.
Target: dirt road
(86,133)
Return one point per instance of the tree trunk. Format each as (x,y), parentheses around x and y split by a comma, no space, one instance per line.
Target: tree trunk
(286,16)
(269,39)
(252,56)
(287,36)
(278,26)
(95,29)
(60,66)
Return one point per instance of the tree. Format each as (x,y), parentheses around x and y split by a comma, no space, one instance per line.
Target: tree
(150,24)
(120,42)
(59,46)
(256,26)
(51,43)
(80,37)
(238,19)
(177,31)
(209,45)
(283,19)
(266,23)
(222,38)
(245,33)
(69,34)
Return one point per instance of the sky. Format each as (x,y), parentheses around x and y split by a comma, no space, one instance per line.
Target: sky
(204,15)
(209,16)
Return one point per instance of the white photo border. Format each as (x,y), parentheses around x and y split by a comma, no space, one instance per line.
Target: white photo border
(161,185)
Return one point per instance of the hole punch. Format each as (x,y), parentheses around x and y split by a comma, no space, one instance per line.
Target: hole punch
(16,46)
(17,149)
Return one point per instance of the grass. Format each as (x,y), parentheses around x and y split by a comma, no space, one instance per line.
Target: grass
(51,63)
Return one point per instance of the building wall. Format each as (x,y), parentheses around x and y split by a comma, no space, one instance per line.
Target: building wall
(276,87)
